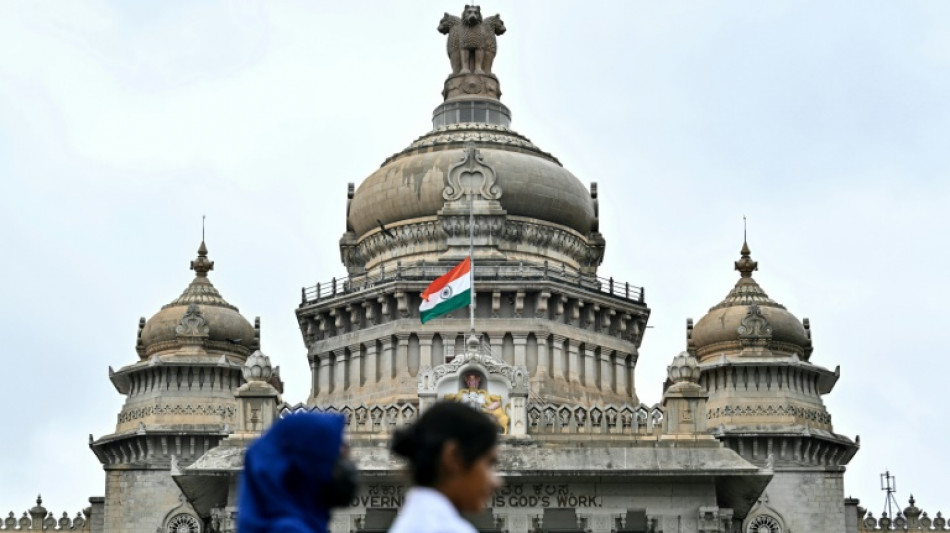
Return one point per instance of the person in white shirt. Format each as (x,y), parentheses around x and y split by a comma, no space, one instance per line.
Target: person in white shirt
(452,451)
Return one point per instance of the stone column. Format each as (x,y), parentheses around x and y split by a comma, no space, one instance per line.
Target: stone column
(448,345)
(590,365)
(573,361)
(560,372)
(541,370)
(425,351)
(356,357)
(386,362)
(620,370)
(324,376)
(339,372)
(314,372)
(606,369)
(521,347)
(403,378)
(497,343)
(371,360)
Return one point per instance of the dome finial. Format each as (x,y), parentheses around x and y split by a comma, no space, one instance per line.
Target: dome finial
(201,265)
(745,265)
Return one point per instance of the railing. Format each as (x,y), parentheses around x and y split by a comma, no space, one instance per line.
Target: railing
(429,272)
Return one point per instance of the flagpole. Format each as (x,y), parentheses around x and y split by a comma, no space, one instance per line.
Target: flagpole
(471,257)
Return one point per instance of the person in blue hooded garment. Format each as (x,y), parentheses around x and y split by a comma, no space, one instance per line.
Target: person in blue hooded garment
(294,474)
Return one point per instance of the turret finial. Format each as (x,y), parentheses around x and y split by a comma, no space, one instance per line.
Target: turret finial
(201,265)
(745,265)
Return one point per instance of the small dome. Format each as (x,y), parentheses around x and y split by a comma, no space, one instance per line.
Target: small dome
(200,316)
(410,184)
(748,317)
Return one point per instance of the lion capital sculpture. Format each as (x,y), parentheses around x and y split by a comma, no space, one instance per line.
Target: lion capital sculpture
(471,43)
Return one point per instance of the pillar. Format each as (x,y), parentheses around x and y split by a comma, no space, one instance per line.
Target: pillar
(386,362)
(573,361)
(620,372)
(324,376)
(314,372)
(590,365)
(402,360)
(560,358)
(371,360)
(425,351)
(339,372)
(606,369)
(356,356)
(521,347)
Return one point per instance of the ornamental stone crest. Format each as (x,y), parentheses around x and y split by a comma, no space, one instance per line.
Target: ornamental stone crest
(193,324)
(754,325)
(471,175)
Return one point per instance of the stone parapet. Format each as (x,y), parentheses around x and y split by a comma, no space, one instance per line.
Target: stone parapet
(39,518)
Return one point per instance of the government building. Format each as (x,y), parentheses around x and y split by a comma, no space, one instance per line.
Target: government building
(740,441)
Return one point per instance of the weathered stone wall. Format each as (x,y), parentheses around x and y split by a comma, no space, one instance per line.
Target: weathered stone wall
(140,500)
(808,500)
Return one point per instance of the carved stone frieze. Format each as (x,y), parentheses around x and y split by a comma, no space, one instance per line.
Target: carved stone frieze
(506,234)
(362,417)
(408,239)
(815,415)
(594,418)
(223,411)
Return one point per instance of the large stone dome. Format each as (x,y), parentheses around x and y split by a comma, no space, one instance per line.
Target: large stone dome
(199,317)
(747,317)
(410,184)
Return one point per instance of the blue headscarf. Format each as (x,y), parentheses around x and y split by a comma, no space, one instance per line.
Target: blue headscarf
(285,474)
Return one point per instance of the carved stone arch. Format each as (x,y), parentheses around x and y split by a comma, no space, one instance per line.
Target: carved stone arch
(611,415)
(182,519)
(534,417)
(564,416)
(763,518)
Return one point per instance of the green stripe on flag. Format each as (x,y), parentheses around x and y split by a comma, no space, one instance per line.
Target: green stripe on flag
(447,306)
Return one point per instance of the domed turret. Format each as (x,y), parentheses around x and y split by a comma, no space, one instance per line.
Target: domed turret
(528,208)
(748,319)
(199,317)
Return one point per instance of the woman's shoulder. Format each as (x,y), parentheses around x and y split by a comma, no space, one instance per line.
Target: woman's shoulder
(426,511)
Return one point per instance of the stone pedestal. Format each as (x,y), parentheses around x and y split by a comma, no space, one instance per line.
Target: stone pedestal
(470,85)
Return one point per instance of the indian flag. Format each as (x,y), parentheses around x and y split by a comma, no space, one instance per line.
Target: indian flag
(448,293)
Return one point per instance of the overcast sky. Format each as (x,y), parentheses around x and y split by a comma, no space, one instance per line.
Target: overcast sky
(826,123)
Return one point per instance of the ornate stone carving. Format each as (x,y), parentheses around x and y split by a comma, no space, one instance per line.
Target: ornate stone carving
(685,368)
(754,325)
(516,377)
(815,415)
(463,177)
(223,411)
(608,419)
(257,367)
(193,324)
(183,523)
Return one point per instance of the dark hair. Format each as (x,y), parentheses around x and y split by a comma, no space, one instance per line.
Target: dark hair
(421,443)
